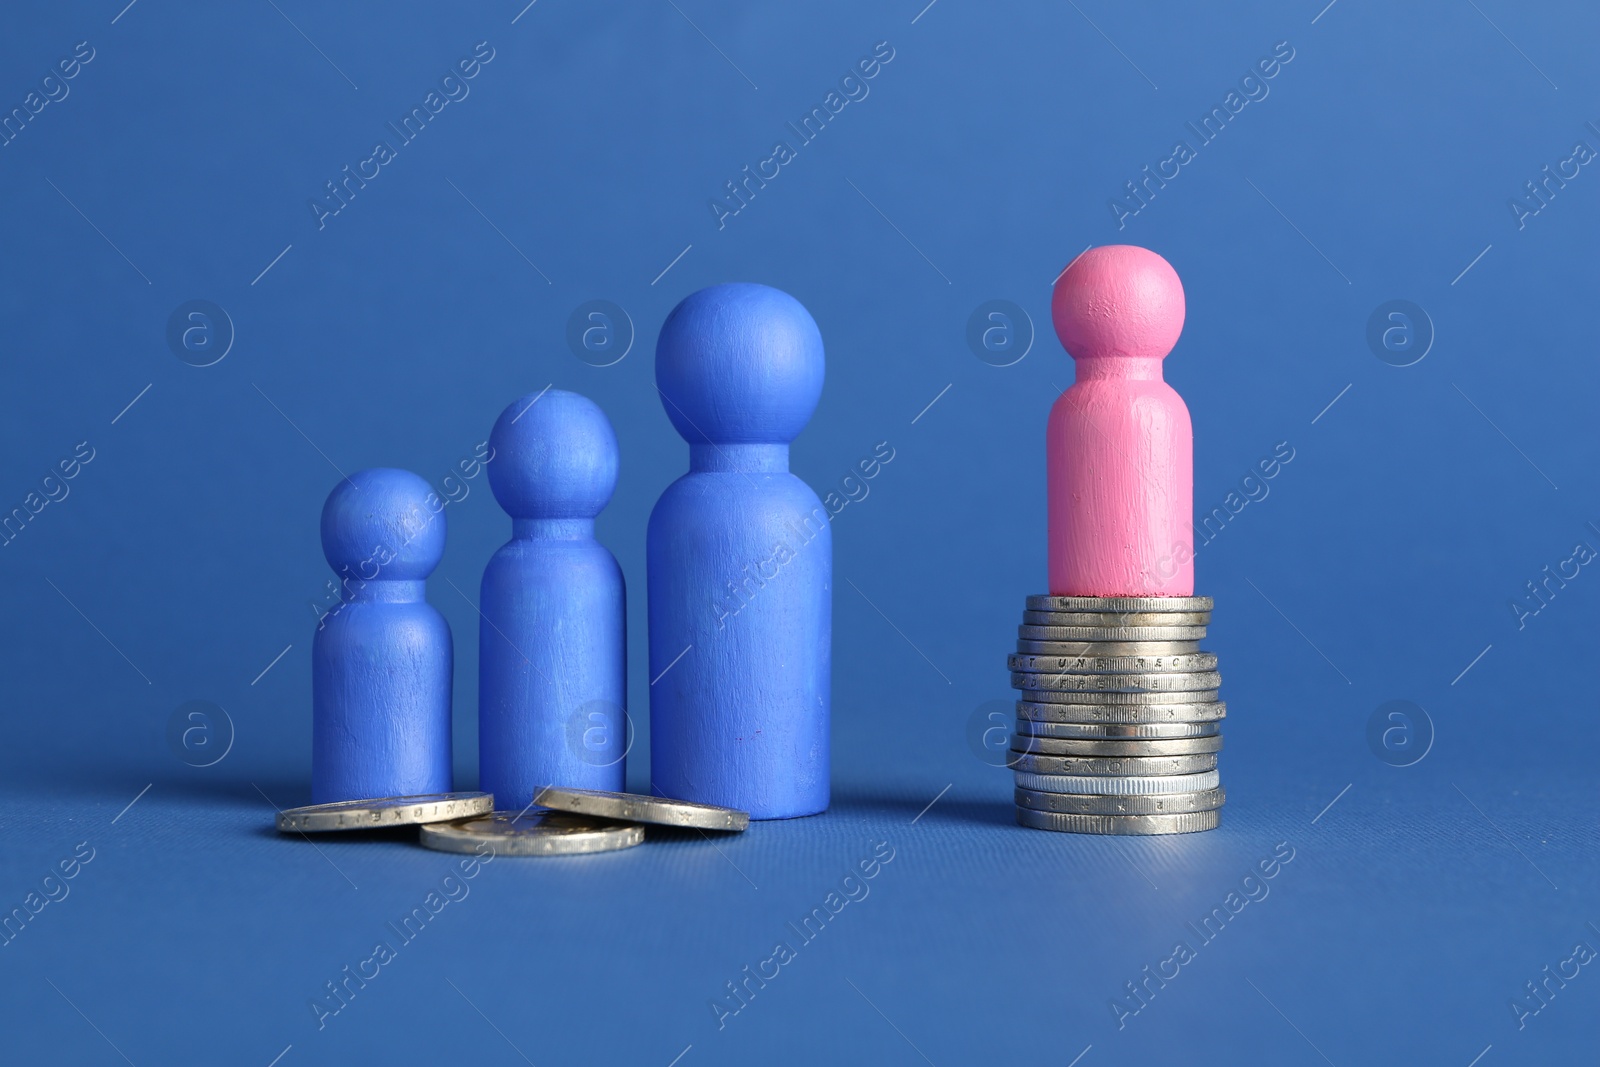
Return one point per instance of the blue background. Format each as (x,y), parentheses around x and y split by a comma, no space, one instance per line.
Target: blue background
(1382,563)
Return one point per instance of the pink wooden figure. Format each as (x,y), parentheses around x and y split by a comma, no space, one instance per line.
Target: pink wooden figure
(1120,460)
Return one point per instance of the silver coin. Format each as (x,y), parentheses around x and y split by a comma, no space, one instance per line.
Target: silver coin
(1080,664)
(1083,784)
(1117,619)
(1107,648)
(1186,823)
(1159,804)
(1030,632)
(1107,730)
(532,833)
(1071,696)
(636,807)
(1123,714)
(1064,682)
(1078,746)
(1111,766)
(384,811)
(1119,603)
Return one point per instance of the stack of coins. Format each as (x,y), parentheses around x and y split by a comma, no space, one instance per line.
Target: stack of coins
(1119,724)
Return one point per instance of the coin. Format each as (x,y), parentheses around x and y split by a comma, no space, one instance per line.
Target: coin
(1067,746)
(384,811)
(636,807)
(1158,804)
(1148,682)
(1186,823)
(1030,632)
(1131,786)
(1119,603)
(1072,696)
(1111,766)
(1106,730)
(1107,648)
(1115,618)
(1122,714)
(1081,664)
(532,833)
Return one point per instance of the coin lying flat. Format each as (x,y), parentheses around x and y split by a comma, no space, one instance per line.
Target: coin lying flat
(1083,784)
(1117,618)
(1114,766)
(1081,664)
(1119,603)
(1207,710)
(1032,632)
(532,833)
(1111,730)
(1157,804)
(1107,648)
(1062,746)
(384,811)
(1148,682)
(1110,697)
(1186,823)
(636,807)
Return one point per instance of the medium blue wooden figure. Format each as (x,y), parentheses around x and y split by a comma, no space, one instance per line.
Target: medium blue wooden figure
(552,644)
(382,659)
(740,559)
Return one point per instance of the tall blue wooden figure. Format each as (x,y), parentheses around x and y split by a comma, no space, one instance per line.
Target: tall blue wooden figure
(740,558)
(382,660)
(552,646)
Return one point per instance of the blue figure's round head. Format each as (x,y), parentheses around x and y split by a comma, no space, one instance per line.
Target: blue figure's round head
(381,524)
(739,364)
(554,457)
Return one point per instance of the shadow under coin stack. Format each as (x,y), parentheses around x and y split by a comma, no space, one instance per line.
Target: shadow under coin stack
(1119,724)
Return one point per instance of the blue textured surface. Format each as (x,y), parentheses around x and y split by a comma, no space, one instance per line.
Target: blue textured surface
(179,562)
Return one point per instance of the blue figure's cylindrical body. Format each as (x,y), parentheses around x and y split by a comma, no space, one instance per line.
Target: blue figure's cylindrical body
(552,652)
(740,560)
(382,659)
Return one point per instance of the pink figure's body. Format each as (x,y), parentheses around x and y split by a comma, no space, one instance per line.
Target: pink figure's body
(1120,450)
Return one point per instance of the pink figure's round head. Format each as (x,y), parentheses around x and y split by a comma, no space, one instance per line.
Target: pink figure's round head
(1118,300)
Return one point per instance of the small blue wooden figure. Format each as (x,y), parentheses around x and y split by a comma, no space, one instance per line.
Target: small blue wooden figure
(382,659)
(740,560)
(552,644)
